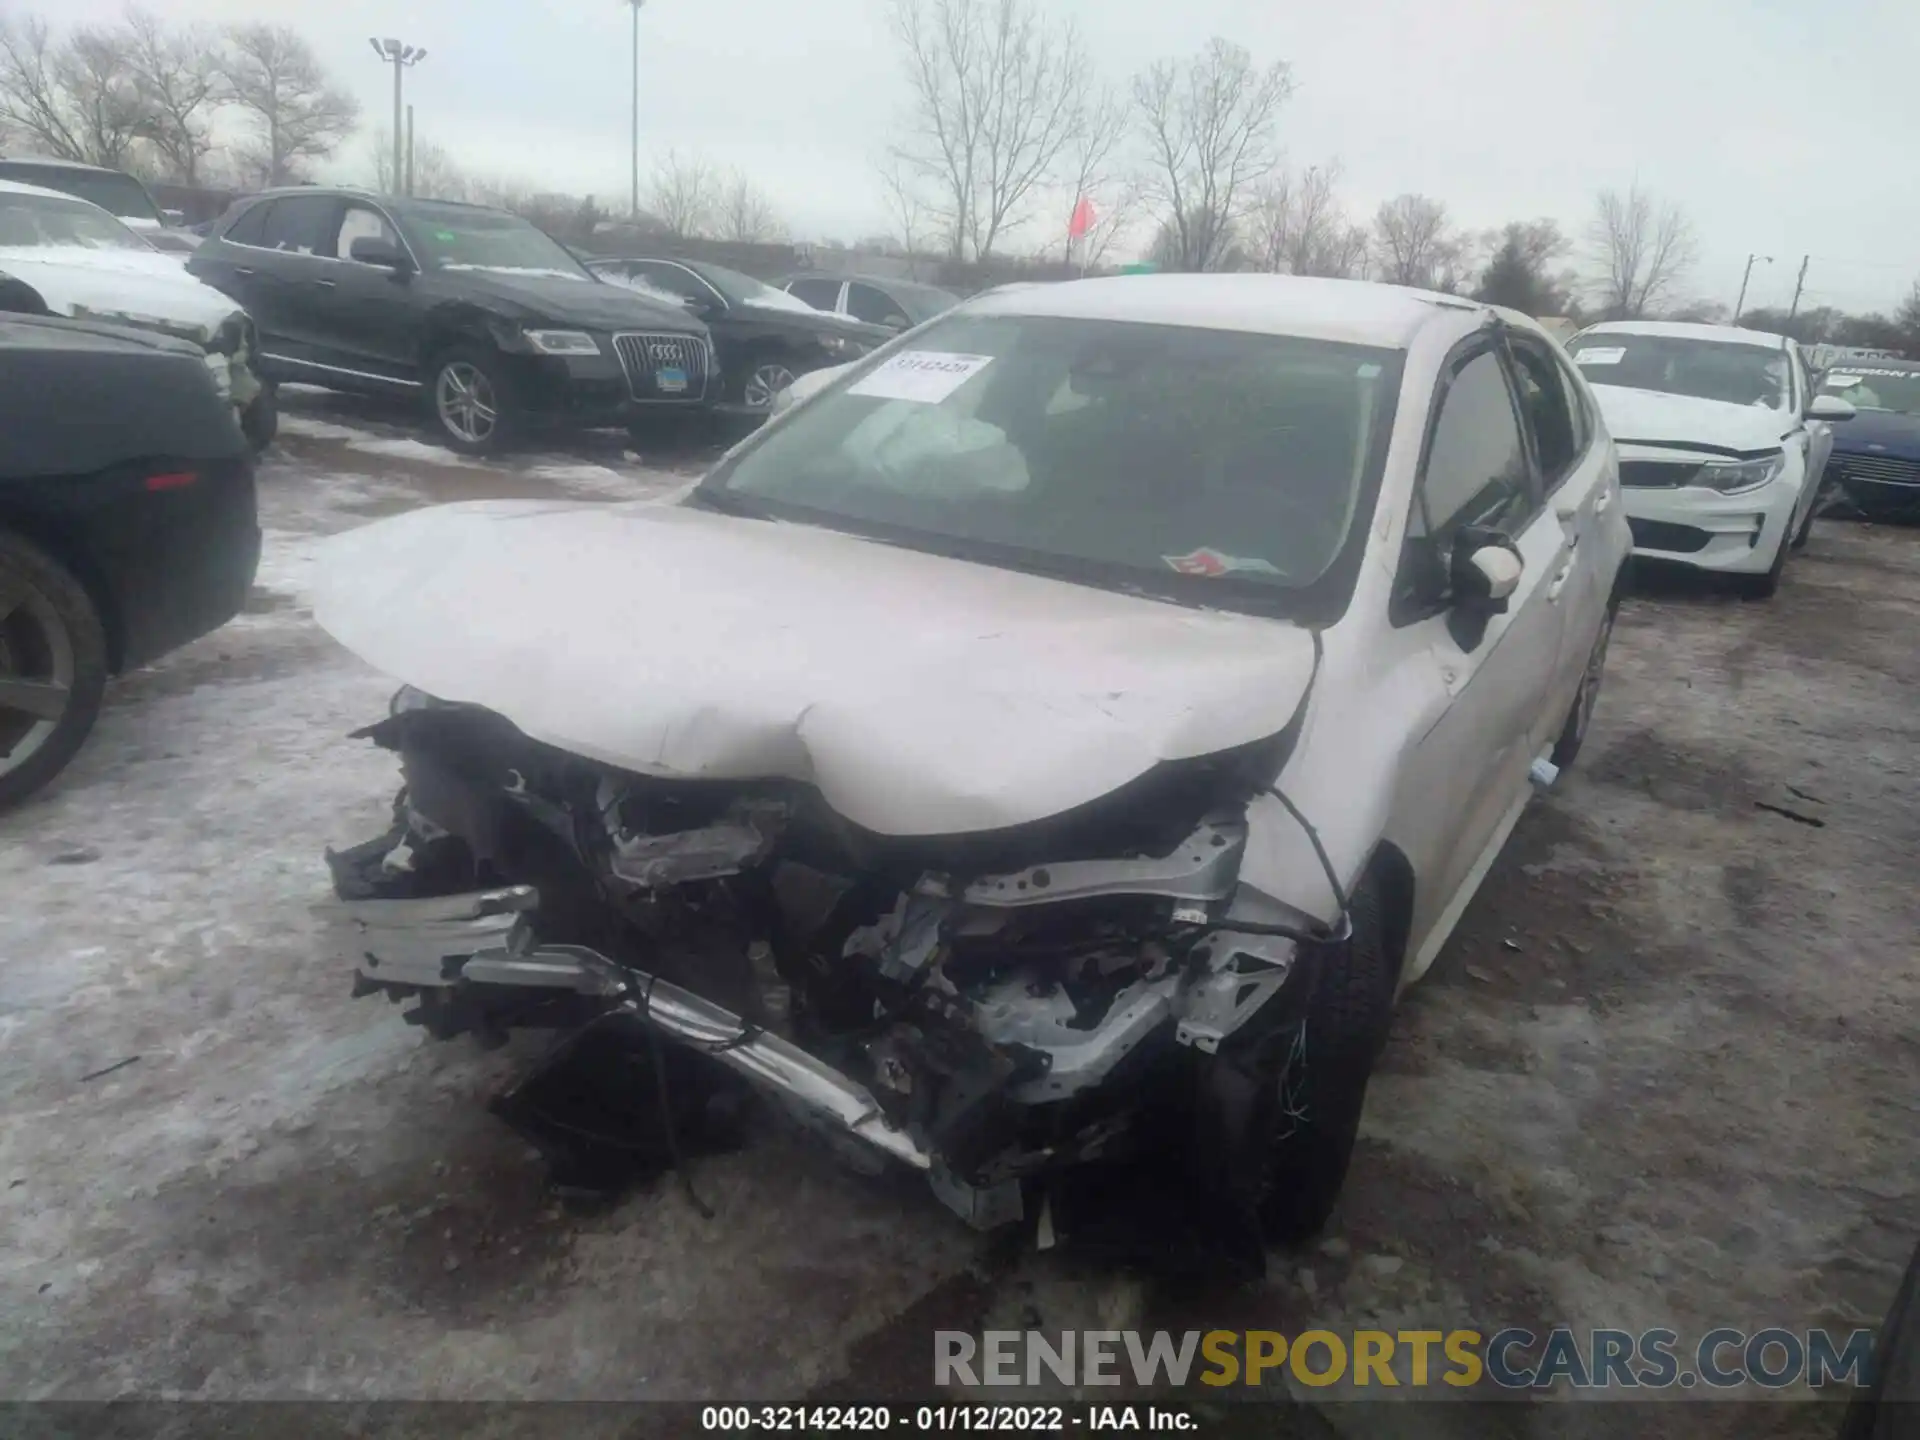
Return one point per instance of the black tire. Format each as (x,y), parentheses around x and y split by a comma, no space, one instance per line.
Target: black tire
(260,421)
(1801,536)
(1765,587)
(45,612)
(759,379)
(1890,1407)
(460,364)
(1279,1111)
(1580,718)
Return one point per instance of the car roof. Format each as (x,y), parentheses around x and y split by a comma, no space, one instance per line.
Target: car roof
(15,187)
(57,164)
(1688,330)
(1358,312)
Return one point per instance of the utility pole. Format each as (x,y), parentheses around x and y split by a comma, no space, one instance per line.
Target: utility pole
(409,149)
(636,4)
(392,52)
(1745,275)
(1798,286)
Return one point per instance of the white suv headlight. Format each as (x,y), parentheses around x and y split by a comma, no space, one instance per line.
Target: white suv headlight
(562,342)
(1730,477)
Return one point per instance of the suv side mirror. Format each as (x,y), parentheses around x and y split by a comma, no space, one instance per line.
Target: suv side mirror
(1485,571)
(1830,408)
(372,250)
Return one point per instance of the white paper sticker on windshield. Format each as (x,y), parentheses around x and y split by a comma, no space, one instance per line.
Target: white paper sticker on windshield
(1840,382)
(1601,355)
(928,376)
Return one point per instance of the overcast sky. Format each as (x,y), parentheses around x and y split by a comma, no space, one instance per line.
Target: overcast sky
(1783,128)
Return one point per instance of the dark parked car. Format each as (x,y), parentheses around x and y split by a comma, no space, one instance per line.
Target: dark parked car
(1876,455)
(114,191)
(766,337)
(488,318)
(127,523)
(891,304)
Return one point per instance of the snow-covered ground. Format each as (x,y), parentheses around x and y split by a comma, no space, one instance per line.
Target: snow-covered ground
(1663,1074)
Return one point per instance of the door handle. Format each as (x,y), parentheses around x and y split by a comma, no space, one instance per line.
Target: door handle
(1603,501)
(246,270)
(1565,573)
(324,284)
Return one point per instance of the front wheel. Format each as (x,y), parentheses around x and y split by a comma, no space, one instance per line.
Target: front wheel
(260,421)
(1279,1112)
(471,402)
(1764,587)
(53,667)
(767,377)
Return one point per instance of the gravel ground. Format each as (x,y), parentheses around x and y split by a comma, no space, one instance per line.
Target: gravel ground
(1664,1074)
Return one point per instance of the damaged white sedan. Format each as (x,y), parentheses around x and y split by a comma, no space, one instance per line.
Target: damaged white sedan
(1059,739)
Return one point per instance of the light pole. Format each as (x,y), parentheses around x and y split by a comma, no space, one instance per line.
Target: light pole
(392,52)
(636,4)
(1745,275)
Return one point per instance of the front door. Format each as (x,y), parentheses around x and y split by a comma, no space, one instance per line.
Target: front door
(1468,773)
(365,326)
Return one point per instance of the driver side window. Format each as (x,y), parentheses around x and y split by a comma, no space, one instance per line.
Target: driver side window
(1475,473)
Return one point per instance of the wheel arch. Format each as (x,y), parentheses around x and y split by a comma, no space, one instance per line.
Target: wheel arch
(457,324)
(1391,874)
(66,545)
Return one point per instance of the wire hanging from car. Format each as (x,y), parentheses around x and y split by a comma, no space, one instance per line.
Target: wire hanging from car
(1342,902)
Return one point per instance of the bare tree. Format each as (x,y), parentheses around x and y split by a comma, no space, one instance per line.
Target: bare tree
(906,209)
(298,114)
(998,96)
(746,214)
(1297,225)
(1208,125)
(176,75)
(1094,169)
(1414,243)
(684,194)
(436,175)
(1641,250)
(73,97)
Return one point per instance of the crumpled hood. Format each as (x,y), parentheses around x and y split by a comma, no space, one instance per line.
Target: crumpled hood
(132,286)
(1878,432)
(1651,415)
(921,695)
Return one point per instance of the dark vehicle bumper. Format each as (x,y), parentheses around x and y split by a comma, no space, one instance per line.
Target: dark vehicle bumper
(178,561)
(593,391)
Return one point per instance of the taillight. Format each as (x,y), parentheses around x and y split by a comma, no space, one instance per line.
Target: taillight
(171,480)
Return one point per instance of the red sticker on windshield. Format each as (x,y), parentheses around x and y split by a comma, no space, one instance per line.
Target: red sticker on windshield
(1213,563)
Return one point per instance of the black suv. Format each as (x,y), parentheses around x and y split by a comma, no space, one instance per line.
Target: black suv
(766,338)
(486,316)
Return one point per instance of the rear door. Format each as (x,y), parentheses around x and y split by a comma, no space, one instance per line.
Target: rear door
(285,268)
(366,318)
(1467,776)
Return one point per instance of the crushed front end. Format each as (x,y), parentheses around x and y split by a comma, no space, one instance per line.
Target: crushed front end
(990,1010)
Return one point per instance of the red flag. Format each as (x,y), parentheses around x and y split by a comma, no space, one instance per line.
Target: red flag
(1082,220)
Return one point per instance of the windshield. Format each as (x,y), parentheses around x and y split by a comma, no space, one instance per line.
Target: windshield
(1201,464)
(33,221)
(1874,388)
(117,194)
(739,289)
(454,238)
(1679,365)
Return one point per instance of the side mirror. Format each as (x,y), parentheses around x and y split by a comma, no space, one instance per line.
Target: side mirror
(372,250)
(1486,570)
(1830,408)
